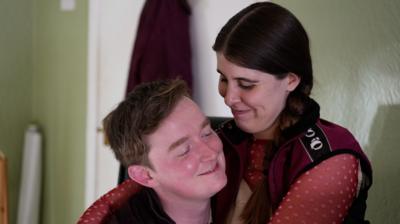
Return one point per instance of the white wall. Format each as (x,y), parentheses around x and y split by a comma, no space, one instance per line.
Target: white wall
(208,16)
(112,32)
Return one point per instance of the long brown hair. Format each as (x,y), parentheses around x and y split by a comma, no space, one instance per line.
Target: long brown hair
(258,209)
(267,37)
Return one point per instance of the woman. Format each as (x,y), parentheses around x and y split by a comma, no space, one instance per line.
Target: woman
(284,163)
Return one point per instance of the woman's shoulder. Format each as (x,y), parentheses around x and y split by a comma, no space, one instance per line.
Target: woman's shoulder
(338,136)
(321,140)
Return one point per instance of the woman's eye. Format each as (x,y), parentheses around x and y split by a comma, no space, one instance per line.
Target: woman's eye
(222,79)
(246,85)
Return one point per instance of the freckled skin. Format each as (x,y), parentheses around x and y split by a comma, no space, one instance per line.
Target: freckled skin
(185,171)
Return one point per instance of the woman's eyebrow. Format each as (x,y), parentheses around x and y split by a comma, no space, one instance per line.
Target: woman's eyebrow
(246,80)
(240,78)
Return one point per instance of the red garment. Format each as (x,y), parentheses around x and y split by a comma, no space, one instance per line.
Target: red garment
(323,194)
(301,152)
(162,48)
(259,150)
(100,211)
(337,175)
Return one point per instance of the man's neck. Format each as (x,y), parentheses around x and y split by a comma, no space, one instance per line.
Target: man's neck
(187,212)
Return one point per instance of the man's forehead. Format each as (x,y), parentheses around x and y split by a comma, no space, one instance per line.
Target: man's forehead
(184,111)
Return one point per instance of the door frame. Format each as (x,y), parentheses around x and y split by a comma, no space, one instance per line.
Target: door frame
(91,127)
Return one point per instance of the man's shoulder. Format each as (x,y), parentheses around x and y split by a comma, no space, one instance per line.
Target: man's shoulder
(142,207)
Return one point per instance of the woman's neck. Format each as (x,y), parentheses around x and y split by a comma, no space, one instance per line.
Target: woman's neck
(269,133)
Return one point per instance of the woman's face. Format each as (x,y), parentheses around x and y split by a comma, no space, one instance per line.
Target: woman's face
(256,98)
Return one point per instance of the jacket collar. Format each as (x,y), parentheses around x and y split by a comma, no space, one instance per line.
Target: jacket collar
(310,116)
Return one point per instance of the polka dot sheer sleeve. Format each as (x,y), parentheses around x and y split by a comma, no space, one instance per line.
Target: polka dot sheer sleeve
(323,194)
(102,208)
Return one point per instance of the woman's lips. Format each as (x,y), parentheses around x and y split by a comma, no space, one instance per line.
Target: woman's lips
(239,113)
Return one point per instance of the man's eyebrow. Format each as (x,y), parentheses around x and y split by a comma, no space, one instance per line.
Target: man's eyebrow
(184,139)
(177,143)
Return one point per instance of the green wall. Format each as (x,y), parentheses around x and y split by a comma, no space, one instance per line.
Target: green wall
(59,105)
(43,54)
(15,87)
(43,60)
(356,52)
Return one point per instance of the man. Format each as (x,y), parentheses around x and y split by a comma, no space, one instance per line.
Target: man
(169,147)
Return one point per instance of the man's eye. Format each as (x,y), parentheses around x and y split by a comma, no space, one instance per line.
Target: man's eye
(185,151)
(207,133)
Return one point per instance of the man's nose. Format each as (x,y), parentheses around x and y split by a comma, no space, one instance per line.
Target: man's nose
(208,152)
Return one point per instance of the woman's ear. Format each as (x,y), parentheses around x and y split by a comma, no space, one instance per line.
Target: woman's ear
(293,81)
(142,175)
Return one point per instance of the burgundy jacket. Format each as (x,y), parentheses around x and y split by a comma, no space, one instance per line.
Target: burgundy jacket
(162,47)
(310,141)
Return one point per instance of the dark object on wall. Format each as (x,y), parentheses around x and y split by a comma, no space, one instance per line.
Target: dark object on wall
(162,48)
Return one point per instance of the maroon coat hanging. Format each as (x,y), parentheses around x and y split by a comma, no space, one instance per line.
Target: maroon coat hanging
(162,48)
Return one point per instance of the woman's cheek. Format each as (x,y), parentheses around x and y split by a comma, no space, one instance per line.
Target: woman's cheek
(222,89)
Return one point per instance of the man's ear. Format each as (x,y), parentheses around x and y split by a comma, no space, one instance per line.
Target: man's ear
(142,175)
(293,81)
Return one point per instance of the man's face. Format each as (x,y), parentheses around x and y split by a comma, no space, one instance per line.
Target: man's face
(186,155)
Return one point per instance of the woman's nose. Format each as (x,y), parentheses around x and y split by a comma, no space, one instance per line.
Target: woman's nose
(231,96)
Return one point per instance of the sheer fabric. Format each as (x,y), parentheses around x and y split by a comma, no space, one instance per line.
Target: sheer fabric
(260,155)
(321,195)
(103,207)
